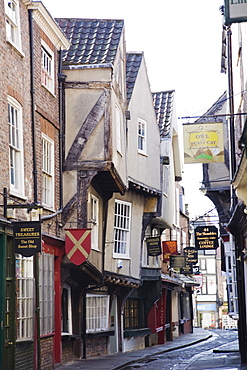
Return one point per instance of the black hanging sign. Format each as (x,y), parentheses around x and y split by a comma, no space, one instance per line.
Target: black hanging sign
(191,255)
(206,237)
(187,270)
(153,246)
(27,237)
(177,261)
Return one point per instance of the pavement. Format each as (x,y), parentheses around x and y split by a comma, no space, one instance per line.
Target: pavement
(119,360)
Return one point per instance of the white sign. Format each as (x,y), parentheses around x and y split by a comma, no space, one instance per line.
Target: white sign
(235,11)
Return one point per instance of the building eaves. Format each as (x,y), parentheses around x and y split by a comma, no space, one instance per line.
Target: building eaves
(93,41)
(163,105)
(143,188)
(133,62)
(48,24)
(169,279)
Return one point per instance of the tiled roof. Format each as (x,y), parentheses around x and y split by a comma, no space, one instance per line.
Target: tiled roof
(163,105)
(133,62)
(93,41)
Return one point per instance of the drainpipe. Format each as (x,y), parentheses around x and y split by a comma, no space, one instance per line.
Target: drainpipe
(32,91)
(61,80)
(37,351)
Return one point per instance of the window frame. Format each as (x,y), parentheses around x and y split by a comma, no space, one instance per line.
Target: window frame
(46,293)
(66,310)
(142,136)
(94,221)
(16,161)
(12,23)
(25,297)
(132,308)
(48,172)
(118,128)
(122,232)
(97,314)
(47,71)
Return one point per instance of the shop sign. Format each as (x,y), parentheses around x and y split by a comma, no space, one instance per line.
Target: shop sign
(153,246)
(169,248)
(206,307)
(177,261)
(206,237)
(77,245)
(187,270)
(235,11)
(196,270)
(203,143)
(27,237)
(191,255)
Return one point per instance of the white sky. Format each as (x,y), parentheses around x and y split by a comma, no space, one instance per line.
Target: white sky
(181,41)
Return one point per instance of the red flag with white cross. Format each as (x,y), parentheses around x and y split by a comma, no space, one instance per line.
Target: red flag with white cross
(77,245)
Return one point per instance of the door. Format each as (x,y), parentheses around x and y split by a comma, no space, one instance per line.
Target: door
(9,319)
(114,326)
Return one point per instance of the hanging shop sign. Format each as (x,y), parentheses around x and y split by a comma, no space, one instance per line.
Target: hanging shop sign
(153,246)
(27,237)
(203,142)
(191,255)
(169,247)
(187,270)
(206,237)
(235,11)
(77,245)
(177,261)
(196,270)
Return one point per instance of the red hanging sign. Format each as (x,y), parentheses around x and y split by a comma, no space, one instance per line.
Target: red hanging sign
(169,248)
(77,245)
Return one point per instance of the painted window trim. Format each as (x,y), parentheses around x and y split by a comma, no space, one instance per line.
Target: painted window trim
(19,189)
(118,128)
(44,72)
(143,137)
(48,174)
(125,230)
(15,39)
(98,323)
(69,308)
(94,223)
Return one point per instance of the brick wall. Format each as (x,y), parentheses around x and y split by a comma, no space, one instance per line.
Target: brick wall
(46,349)
(67,350)
(24,356)
(96,346)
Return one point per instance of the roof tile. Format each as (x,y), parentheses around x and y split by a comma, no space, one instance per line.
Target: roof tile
(93,41)
(133,62)
(163,105)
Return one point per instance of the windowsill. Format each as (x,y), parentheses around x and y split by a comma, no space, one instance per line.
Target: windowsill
(16,194)
(16,48)
(42,336)
(120,256)
(70,336)
(107,333)
(50,91)
(95,249)
(136,332)
(27,340)
(142,153)
(48,208)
